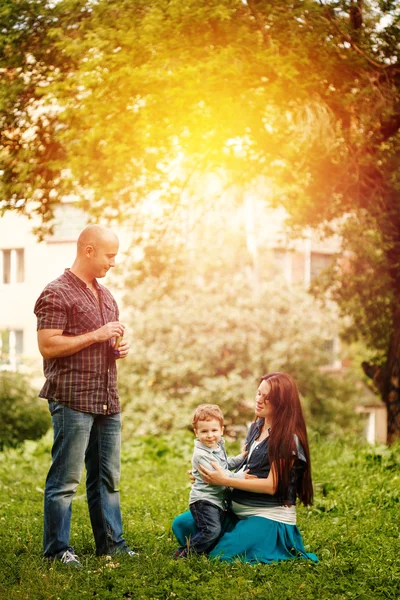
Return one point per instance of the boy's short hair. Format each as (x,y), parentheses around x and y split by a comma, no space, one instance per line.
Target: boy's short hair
(207,412)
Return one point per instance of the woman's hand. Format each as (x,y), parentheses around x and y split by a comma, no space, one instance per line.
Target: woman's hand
(249,476)
(246,481)
(217,477)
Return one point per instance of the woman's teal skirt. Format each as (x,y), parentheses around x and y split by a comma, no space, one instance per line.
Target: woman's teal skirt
(252,540)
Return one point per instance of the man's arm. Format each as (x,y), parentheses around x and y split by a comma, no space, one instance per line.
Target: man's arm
(53,344)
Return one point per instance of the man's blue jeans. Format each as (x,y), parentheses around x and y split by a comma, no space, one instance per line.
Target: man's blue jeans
(94,440)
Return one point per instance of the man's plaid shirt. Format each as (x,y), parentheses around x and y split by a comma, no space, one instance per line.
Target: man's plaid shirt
(87,380)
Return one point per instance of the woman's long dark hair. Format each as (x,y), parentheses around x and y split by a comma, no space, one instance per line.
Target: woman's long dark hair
(288,421)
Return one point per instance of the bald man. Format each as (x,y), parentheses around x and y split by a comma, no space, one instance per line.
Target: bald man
(78,326)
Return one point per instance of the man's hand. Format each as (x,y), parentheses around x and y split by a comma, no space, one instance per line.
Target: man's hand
(123,349)
(110,330)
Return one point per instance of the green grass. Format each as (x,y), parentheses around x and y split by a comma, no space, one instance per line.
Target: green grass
(353,527)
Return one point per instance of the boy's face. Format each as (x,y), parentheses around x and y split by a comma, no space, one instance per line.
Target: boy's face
(209,432)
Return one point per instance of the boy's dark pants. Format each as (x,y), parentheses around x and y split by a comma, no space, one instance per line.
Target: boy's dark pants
(208,518)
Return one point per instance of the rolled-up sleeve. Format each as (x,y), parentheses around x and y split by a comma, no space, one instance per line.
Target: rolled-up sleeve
(50,311)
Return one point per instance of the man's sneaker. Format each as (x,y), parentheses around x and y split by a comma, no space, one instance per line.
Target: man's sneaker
(70,560)
(125,550)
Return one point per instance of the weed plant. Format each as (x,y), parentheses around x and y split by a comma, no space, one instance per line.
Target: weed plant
(353,527)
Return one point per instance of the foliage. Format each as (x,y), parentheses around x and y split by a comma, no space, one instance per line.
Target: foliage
(125,97)
(31,180)
(23,415)
(356,491)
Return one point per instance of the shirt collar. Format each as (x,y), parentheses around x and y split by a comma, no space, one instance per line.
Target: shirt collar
(80,281)
(199,444)
(259,424)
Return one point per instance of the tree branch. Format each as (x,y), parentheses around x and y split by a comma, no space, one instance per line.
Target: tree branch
(390,128)
(260,21)
(350,40)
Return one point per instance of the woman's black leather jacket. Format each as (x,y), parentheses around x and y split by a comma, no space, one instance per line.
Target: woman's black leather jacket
(258,464)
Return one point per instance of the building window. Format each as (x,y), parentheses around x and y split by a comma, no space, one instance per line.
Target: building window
(328,347)
(319,261)
(69,222)
(13,265)
(283,263)
(11,348)
(331,347)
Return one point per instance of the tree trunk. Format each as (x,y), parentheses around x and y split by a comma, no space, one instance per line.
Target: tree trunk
(387,381)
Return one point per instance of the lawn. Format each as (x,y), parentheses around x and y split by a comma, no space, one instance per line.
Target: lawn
(353,526)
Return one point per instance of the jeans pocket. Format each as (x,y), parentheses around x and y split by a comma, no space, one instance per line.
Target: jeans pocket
(53,407)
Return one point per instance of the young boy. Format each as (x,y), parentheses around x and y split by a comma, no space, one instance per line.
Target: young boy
(206,501)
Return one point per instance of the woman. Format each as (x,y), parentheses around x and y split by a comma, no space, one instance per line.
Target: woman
(261,523)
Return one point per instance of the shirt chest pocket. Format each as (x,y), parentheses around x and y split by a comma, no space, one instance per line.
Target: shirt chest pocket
(109,311)
(83,319)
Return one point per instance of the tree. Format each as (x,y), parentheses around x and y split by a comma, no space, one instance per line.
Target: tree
(113,100)
(31,156)
(359,200)
(104,96)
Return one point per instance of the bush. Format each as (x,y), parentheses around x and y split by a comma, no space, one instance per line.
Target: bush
(23,415)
